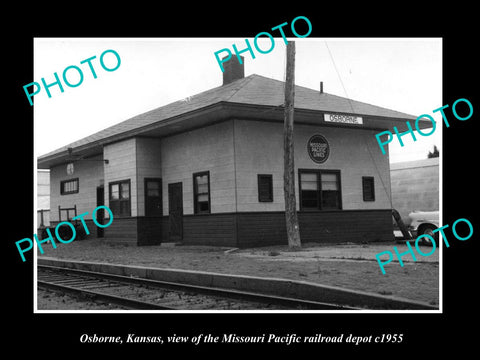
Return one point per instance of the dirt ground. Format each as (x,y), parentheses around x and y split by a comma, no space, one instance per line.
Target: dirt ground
(351,266)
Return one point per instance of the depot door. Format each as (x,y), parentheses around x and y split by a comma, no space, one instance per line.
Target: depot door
(175,211)
(153,197)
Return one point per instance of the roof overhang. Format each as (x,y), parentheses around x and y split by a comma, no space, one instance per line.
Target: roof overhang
(215,113)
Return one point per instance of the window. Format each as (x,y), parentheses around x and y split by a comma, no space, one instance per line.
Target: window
(153,187)
(69,187)
(265,188)
(368,186)
(320,190)
(309,194)
(119,195)
(330,191)
(201,192)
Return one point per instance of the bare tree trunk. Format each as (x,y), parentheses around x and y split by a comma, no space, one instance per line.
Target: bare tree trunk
(293,231)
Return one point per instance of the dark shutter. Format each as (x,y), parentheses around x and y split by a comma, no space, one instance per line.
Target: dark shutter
(265,188)
(368,185)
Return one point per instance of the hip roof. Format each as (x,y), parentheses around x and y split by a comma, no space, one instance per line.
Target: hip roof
(251,91)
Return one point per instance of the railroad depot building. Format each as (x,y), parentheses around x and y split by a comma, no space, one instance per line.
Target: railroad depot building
(209,169)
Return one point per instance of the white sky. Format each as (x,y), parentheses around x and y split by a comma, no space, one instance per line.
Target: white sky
(399,74)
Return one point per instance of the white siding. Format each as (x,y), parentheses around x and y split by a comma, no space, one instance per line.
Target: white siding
(256,147)
(90,176)
(355,152)
(149,165)
(122,166)
(206,149)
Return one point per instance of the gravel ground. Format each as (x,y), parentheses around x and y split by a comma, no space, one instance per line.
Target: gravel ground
(50,300)
(351,266)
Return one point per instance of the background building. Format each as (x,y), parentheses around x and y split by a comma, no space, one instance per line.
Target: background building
(415,186)
(43,197)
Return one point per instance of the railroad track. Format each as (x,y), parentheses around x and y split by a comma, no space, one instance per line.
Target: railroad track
(139,293)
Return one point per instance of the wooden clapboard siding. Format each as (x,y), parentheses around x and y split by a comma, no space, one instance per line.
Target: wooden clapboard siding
(123,230)
(268,228)
(346,226)
(354,152)
(258,150)
(149,230)
(261,229)
(139,230)
(254,229)
(90,176)
(92,228)
(149,165)
(122,165)
(209,229)
(205,149)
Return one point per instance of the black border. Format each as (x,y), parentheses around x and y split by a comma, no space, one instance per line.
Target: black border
(425,334)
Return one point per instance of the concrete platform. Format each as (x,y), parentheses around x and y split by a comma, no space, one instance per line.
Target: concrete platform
(272,286)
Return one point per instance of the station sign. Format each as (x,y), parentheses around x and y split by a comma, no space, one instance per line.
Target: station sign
(345,119)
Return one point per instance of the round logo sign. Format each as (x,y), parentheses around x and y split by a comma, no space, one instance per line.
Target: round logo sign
(318,149)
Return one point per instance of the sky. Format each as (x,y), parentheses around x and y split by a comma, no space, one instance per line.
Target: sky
(403,74)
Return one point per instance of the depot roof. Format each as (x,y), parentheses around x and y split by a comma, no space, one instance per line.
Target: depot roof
(251,97)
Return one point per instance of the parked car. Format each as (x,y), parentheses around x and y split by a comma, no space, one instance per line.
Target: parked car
(424,222)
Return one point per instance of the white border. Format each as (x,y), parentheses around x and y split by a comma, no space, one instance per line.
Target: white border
(439,311)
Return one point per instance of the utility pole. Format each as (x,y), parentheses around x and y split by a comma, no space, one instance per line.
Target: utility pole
(293,231)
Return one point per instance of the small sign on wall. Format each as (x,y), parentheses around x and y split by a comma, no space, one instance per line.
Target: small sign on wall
(318,148)
(345,119)
(70,169)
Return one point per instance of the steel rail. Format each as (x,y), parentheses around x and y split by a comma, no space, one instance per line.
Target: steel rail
(97,295)
(230,294)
